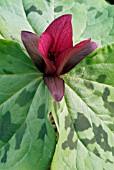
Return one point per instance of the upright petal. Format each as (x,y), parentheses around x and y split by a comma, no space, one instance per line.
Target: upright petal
(44,46)
(55,86)
(30,41)
(72,56)
(61,31)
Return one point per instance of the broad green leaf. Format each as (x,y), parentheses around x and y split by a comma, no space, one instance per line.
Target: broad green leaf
(85,117)
(27,139)
(13,19)
(93,19)
(94,81)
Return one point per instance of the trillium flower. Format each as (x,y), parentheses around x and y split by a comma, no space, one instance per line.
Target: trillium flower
(53,52)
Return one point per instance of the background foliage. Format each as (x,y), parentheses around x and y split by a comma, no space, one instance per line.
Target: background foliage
(85,116)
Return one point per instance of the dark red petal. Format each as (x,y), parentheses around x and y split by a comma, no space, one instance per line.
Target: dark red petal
(55,86)
(61,31)
(72,56)
(30,41)
(44,44)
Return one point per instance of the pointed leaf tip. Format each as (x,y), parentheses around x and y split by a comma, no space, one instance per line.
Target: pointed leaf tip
(55,86)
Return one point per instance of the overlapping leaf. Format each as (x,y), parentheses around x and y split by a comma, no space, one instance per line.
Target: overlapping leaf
(25,131)
(93,19)
(84,118)
(86,115)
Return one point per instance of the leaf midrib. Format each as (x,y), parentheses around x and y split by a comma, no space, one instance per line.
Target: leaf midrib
(18,91)
(83,98)
(23,62)
(89,107)
(71,118)
(75,78)
(25,73)
(24,120)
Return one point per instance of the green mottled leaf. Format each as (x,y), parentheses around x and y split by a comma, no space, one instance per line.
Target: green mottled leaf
(93,19)
(84,118)
(86,115)
(27,139)
(13,19)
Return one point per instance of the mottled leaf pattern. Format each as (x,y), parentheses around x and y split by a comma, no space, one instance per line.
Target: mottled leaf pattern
(27,139)
(84,118)
(96,20)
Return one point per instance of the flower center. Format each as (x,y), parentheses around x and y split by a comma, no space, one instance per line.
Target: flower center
(52,56)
